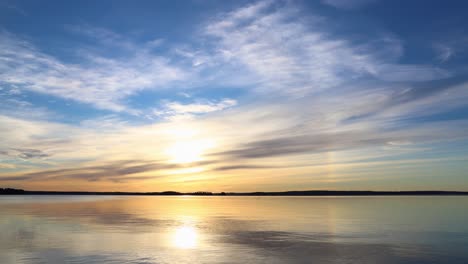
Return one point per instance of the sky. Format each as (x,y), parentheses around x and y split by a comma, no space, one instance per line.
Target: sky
(208,95)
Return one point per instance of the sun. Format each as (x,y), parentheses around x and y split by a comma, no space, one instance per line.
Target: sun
(188,151)
(184,152)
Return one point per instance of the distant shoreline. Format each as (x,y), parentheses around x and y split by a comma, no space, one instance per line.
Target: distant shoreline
(9,191)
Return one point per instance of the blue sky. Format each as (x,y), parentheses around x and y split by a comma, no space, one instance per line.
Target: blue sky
(233,95)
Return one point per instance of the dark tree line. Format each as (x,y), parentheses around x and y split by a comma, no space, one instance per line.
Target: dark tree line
(11,191)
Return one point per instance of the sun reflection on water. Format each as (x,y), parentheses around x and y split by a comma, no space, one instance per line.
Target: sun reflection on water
(185,237)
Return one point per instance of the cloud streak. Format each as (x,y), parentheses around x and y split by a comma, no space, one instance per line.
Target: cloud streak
(115,171)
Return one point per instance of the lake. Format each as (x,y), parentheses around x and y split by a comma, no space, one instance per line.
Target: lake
(225,229)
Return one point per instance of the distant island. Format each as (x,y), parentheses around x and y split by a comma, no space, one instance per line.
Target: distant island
(11,191)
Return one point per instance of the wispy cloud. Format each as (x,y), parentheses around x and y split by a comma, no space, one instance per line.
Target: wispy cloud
(444,52)
(267,46)
(286,55)
(100,81)
(451,47)
(299,56)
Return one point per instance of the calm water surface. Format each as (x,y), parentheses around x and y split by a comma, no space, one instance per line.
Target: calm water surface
(161,229)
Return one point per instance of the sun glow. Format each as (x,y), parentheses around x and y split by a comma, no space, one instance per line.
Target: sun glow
(188,151)
(185,237)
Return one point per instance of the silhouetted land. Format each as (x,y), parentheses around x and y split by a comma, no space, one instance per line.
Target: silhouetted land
(10,191)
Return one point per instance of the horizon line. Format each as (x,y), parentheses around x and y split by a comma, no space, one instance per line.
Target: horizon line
(13,191)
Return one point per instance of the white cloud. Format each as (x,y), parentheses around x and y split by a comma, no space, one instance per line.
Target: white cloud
(292,55)
(267,47)
(176,110)
(102,82)
(264,132)
(267,133)
(284,54)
